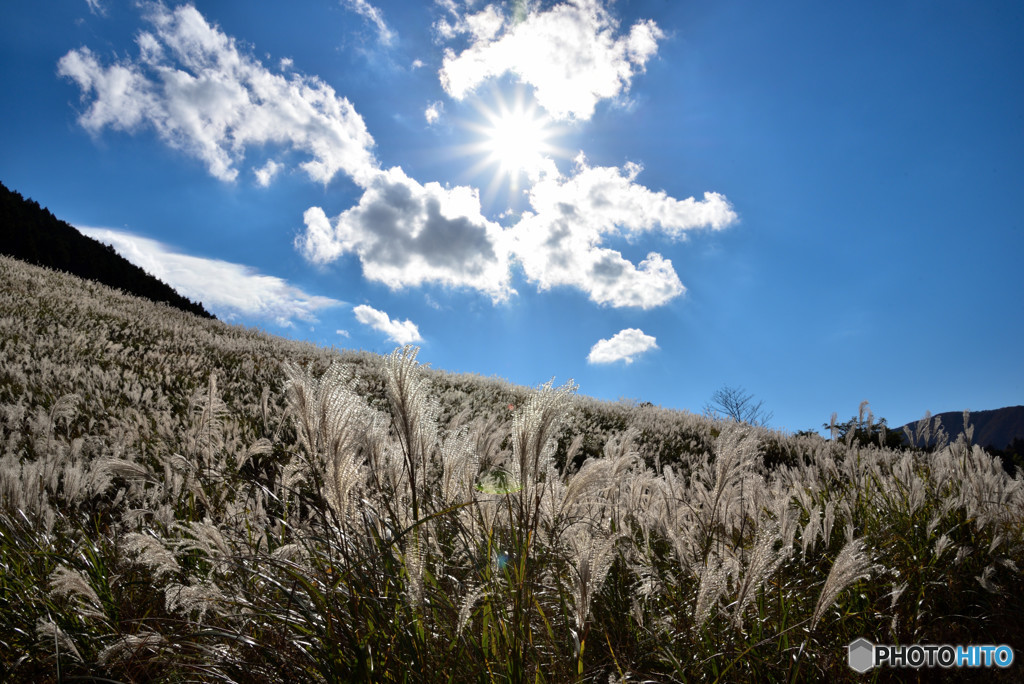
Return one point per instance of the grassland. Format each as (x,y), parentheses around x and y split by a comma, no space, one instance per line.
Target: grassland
(184,500)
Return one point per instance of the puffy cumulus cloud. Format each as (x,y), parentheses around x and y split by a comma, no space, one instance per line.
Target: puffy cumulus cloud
(407,234)
(433,111)
(399,332)
(561,241)
(265,174)
(227,289)
(374,16)
(203,96)
(622,346)
(572,54)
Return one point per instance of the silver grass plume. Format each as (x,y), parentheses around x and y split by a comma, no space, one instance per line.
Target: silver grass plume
(414,560)
(415,415)
(533,429)
(208,410)
(129,646)
(985,580)
(460,465)
(894,597)
(196,598)
(713,583)
(591,555)
(54,637)
(851,564)
(473,595)
(811,530)
(206,538)
(67,582)
(764,560)
(152,553)
(64,409)
(331,420)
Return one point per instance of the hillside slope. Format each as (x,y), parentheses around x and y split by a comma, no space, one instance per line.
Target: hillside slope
(996,428)
(185,500)
(31,233)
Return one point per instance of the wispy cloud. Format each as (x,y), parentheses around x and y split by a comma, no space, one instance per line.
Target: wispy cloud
(400,332)
(96,7)
(408,234)
(202,95)
(225,288)
(572,54)
(374,16)
(622,346)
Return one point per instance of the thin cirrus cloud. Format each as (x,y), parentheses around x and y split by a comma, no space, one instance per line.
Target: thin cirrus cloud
(227,289)
(622,346)
(374,16)
(572,54)
(399,332)
(201,95)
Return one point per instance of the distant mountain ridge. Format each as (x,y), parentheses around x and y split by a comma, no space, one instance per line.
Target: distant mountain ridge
(997,428)
(31,233)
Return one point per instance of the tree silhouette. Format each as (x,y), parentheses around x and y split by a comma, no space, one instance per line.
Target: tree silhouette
(734,403)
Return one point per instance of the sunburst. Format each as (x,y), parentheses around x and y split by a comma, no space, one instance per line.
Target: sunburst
(514,140)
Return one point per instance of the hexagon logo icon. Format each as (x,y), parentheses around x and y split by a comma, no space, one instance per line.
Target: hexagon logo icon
(862,655)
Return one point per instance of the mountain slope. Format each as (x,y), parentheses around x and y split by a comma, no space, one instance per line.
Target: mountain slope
(996,428)
(31,233)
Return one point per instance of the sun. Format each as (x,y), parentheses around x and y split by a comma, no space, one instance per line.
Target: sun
(513,142)
(516,139)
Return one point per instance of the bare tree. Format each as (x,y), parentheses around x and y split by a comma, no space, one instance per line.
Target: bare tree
(733,403)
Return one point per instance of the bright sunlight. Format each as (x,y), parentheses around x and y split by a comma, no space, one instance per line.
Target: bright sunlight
(516,139)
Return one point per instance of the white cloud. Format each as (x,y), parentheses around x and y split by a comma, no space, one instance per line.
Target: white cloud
(225,288)
(434,111)
(204,97)
(266,173)
(404,332)
(96,7)
(418,64)
(569,53)
(561,241)
(623,346)
(342,333)
(406,234)
(374,16)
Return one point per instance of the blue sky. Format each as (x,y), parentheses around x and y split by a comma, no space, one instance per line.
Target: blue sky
(819,202)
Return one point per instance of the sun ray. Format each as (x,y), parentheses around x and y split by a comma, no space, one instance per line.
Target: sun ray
(513,141)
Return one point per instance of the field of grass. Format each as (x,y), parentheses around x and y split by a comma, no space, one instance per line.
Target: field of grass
(184,500)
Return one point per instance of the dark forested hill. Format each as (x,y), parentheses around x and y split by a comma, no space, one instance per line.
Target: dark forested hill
(31,233)
(996,428)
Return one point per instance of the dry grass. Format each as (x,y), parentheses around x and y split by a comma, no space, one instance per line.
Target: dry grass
(185,500)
